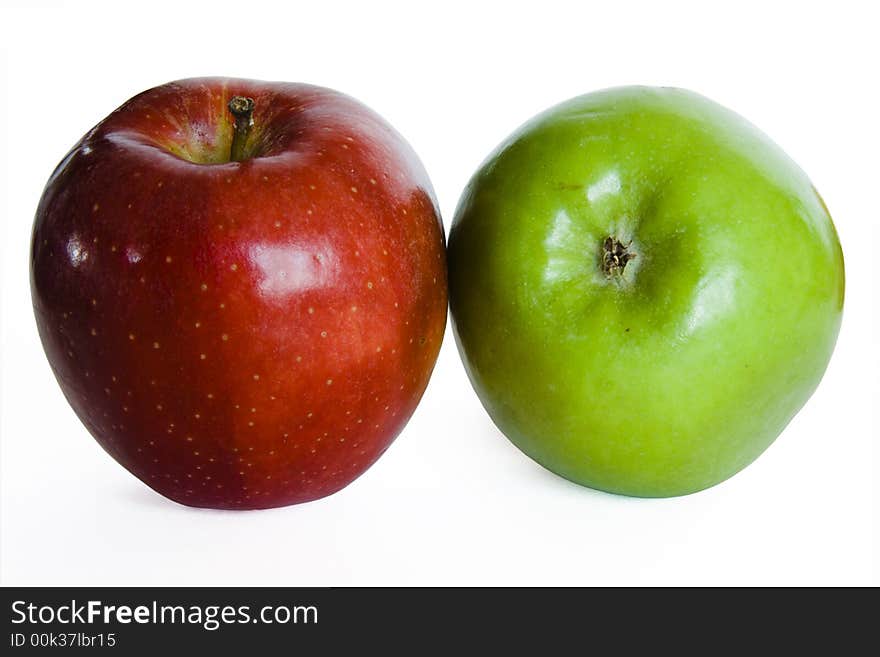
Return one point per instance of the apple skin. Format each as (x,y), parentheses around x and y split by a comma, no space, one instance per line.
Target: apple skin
(241,335)
(676,373)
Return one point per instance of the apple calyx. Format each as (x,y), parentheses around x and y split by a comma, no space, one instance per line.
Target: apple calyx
(615,255)
(242,108)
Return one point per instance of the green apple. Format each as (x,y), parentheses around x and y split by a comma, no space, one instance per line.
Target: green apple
(644,290)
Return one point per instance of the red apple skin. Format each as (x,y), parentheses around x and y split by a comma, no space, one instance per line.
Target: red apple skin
(241,335)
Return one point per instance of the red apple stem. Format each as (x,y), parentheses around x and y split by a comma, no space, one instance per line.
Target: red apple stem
(242,108)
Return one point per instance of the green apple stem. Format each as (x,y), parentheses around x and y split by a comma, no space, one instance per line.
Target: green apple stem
(242,108)
(615,255)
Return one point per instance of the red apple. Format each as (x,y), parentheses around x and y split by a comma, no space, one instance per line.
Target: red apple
(244,310)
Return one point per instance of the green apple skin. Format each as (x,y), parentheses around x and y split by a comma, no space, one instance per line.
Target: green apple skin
(674,373)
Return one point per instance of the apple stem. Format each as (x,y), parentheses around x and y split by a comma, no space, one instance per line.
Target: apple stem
(242,108)
(615,255)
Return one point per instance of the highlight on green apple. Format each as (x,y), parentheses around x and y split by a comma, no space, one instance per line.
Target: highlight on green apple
(644,290)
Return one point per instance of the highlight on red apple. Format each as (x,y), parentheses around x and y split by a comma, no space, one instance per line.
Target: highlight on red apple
(241,288)
(665,289)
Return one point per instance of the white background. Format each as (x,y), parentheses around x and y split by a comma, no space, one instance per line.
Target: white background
(452,502)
